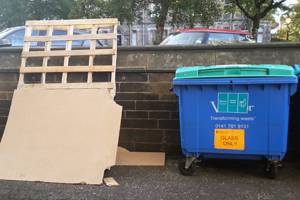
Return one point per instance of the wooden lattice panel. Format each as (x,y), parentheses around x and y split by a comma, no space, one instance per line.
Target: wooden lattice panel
(48,52)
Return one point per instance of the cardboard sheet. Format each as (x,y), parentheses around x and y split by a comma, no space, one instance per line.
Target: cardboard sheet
(65,136)
(127,158)
(110,181)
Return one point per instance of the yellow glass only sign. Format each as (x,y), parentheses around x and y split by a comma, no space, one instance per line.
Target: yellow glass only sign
(230,139)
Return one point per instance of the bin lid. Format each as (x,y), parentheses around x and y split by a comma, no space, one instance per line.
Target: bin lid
(297,70)
(222,71)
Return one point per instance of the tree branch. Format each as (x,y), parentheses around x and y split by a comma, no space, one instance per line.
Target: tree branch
(270,7)
(261,2)
(243,10)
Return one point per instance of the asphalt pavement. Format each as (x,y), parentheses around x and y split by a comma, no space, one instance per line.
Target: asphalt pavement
(215,179)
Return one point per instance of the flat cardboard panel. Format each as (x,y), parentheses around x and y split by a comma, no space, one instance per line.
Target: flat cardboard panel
(65,136)
(110,181)
(127,158)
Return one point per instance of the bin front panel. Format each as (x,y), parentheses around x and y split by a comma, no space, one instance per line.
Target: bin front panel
(217,118)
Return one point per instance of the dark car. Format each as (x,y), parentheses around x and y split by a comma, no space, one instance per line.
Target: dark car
(206,36)
(14,37)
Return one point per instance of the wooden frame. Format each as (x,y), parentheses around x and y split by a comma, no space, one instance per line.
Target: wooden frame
(70,26)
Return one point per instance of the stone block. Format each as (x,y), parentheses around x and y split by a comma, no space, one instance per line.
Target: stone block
(32,78)
(10,59)
(103,60)
(136,96)
(135,87)
(172,59)
(53,77)
(3,120)
(4,112)
(175,115)
(9,77)
(139,123)
(9,95)
(127,105)
(146,147)
(170,96)
(173,149)
(157,105)
(77,77)
(168,124)
(1,131)
(101,76)
(172,137)
(5,104)
(161,77)
(3,95)
(136,114)
(141,136)
(160,87)
(159,114)
(146,87)
(131,77)
(8,86)
(132,58)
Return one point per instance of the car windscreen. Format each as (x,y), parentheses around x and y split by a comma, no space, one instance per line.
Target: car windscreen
(16,38)
(4,32)
(244,38)
(181,38)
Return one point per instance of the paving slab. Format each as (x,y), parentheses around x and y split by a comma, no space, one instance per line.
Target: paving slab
(213,180)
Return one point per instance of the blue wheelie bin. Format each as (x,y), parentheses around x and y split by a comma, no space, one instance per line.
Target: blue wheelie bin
(296,100)
(234,112)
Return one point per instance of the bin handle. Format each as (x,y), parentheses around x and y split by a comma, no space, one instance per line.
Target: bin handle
(232,72)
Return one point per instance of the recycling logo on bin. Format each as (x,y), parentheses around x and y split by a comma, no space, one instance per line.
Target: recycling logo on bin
(232,103)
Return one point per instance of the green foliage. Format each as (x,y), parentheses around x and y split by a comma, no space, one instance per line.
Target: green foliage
(48,9)
(280,36)
(16,12)
(188,12)
(128,11)
(278,39)
(294,27)
(12,13)
(295,24)
(255,10)
(88,9)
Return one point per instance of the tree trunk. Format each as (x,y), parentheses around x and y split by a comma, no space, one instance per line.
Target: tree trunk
(159,30)
(255,28)
(161,19)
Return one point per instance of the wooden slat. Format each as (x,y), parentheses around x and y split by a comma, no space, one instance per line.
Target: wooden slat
(114,60)
(71,22)
(69,53)
(68,85)
(98,68)
(26,47)
(68,48)
(91,58)
(47,48)
(71,37)
(76,27)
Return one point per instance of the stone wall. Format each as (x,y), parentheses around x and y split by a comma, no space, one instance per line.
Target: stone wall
(144,75)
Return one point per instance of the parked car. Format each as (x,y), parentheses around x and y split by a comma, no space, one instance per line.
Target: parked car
(206,36)
(14,37)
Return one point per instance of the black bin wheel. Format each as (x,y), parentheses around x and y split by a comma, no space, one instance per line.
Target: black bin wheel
(187,172)
(272,173)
